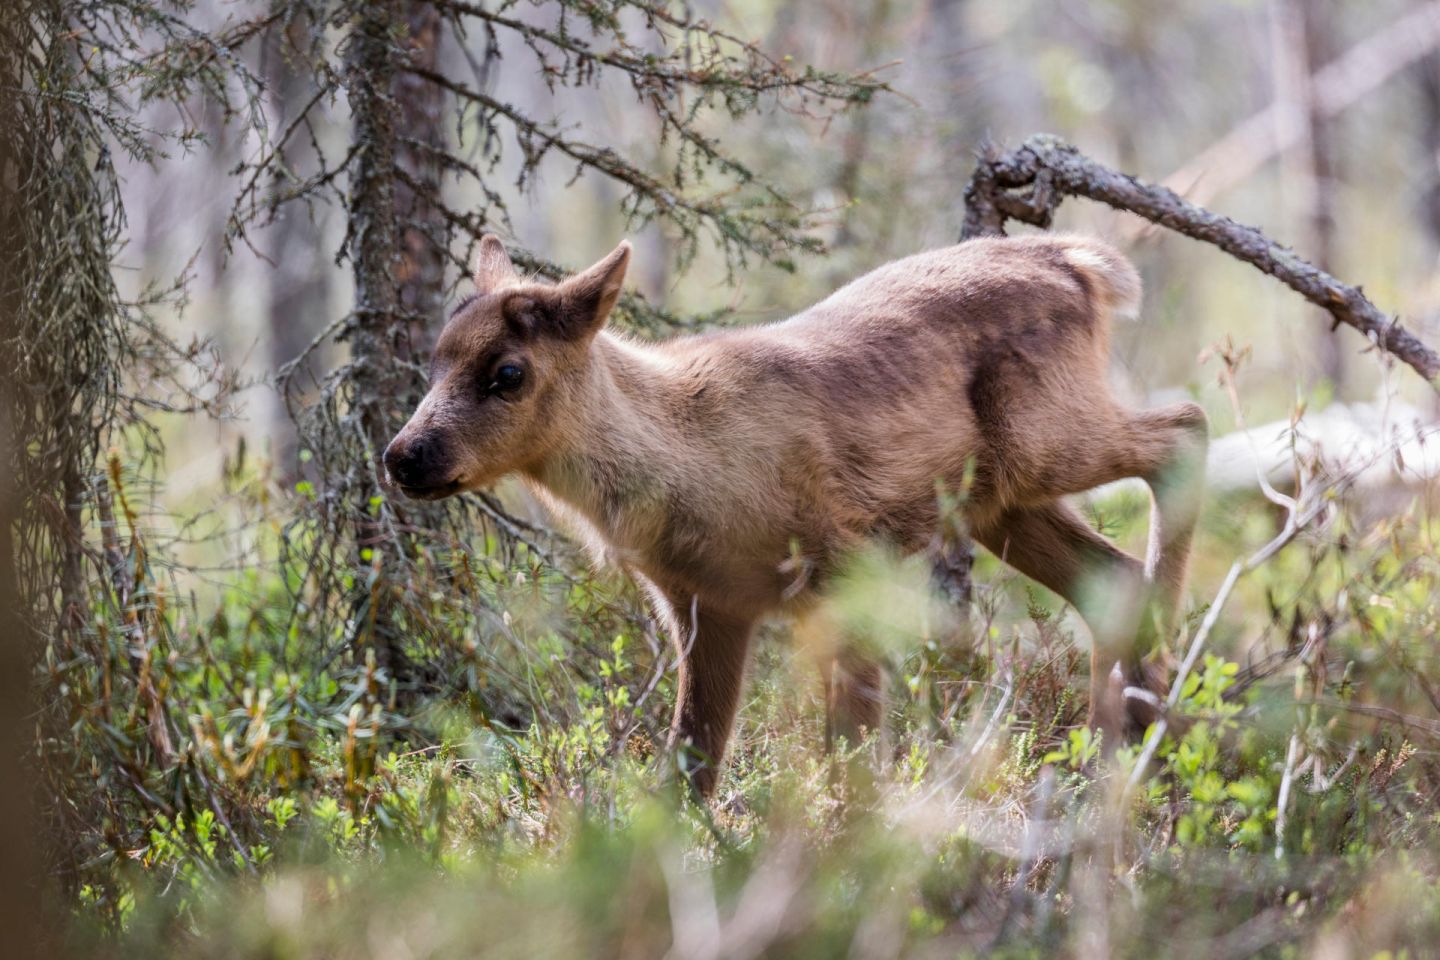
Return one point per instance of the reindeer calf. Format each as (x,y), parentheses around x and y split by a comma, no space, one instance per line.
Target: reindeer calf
(704,463)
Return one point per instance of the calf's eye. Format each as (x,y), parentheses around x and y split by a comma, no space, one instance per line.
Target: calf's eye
(508,377)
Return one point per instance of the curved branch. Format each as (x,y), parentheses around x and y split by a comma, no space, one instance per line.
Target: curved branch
(750,70)
(765,230)
(1028,183)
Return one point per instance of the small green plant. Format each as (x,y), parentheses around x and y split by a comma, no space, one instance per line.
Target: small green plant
(1081,747)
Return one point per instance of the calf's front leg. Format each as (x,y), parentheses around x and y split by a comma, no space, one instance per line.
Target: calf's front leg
(712,647)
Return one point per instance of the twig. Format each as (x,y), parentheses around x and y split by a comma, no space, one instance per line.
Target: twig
(1282,803)
(198,766)
(1031,854)
(1409,721)
(1293,525)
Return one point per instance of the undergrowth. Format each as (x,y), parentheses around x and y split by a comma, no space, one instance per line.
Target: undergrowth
(246,787)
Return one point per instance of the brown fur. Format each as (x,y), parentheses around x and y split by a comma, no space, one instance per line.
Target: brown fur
(732,472)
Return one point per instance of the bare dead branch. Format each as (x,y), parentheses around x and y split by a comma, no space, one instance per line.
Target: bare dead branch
(1408,721)
(1028,183)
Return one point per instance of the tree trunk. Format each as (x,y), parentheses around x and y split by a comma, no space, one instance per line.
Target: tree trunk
(396,247)
(1429,206)
(377,380)
(1429,76)
(420,141)
(19,890)
(52,408)
(1302,43)
(856,149)
(1324,170)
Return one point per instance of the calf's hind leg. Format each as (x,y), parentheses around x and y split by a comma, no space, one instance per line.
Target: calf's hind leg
(1129,606)
(854,696)
(1165,448)
(1172,464)
(1053,545)
(854,679)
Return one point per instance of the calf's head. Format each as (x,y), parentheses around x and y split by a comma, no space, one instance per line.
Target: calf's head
(507,368)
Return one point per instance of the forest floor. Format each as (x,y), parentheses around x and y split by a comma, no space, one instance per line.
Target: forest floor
(249,789)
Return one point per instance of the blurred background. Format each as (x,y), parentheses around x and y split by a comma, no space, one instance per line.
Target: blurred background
(1157,92)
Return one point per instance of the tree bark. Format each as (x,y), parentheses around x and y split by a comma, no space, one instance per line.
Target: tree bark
(1318,44)
(1429,75)
(1429,206)
(22,877)
(420,141)
(373,241)
(378,335)
(396,245)
(1302,40)
(856,150)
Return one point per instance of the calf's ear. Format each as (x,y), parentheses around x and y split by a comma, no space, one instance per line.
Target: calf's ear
(586,299)
(493,269)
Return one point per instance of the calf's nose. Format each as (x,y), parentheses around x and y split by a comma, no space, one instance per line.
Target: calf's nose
(409,462)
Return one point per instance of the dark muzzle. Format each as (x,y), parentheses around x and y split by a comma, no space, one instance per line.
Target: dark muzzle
(418,464)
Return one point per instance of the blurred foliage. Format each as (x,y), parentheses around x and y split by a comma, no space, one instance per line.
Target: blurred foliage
(521,808)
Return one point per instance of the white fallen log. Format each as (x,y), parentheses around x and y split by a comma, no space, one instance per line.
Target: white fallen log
(1391,450)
